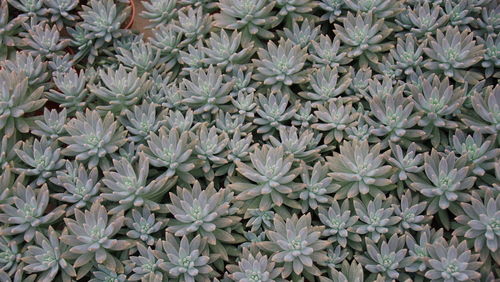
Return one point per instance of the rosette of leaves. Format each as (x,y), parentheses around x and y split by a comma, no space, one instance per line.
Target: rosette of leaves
(327,52)
(83,42)
(205,91)
(245,104)
(44,41)
(185,259)
(480,153)
(143,225)
(32,9)
(9,28)
(480,222)
(25,212)
(121,89)
(325,85)
(339,224)
(71,92)
(92,239)
(491,57)
(418,248)
(211,149)
(207,212)
(348,272)
(304,116)
(452,261)
(141,120)
(295,243)
(360,80)
(193,59)
(332,9)
(171,151)
(268,181)
(453,51)
(81,186)
(364,35)
(16,100)
(129,186)
(52,124)
(295,10)
(243,83)
(103,273)
(409,162)
(33,67)
(193,24)
(445,182)
(41,158)
(280,66)
(46,257)
(489,20)
(359,168)
(92,138)
(168,40)
(273,113)
(437,100)
(253,18)
(408,54)
(381,87)
(423,20)
(10,258)
(253,267)
(409,209)
(376,218)
(229,123)
(239,149)
(183,122)
(145,266)
(459,13)
(484,118)
(379,8)
(297,144)
(388,258)
(103,20)
(318,187)
(303,35)
(222,50)
(334,118)
(258,219)
(395,119)
(141,55)
(158,12)
(60,11)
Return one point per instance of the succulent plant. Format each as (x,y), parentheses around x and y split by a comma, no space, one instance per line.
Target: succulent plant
(325,85)
(364,35)
(60,11)
(92,138)
(423,20)
(453,51)
(253,267)
(478,151)
(335,119)
(146,266)
(103,21)
(252,18)
(32,67)
(16,100)
(446,178)
(484,119)
(143,56)
(452,261)
(274,111)
(339,224)
(359,169)
(71,92)
(81,186)
(491,57)
(296,244)
(297,144)
(303,35)
(172,151)
(159,12)
(268,181)
(41,158)
(223,50)
(281,65)
(45,41)
(129,186)
(27,212)
(91,237)
(29,8)
(327,52)
(375,218)
(10,259)
(409,210)
(47,257)
(406,163)
(143,225)
(349,272)
(9,28)
(479,222)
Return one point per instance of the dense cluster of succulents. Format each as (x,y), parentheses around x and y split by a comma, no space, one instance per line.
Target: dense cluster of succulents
(250,140)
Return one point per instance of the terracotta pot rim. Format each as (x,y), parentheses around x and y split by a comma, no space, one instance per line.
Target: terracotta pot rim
(132,15)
